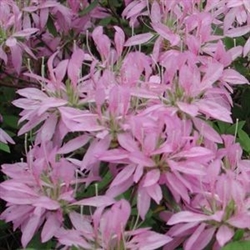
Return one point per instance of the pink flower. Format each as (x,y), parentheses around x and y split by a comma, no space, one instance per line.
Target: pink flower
(237,11)
(37,106)
(17,47)
(108,230)
(42,9)
(217,211)
(37,194)
(131,116)
(133,10)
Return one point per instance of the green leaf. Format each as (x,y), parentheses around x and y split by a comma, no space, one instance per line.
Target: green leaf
(4,147)
(237,245)
(149,220)
(226,128)
(11,121)
(238,112)
(91,191)
(238,234)
(239,65)
(244,140)
(245,101)
(222,126)
(105,181)
(231,129)
(3,225)
(89,8)
(240,41)
(105,21)
(115,3)
(7,94)
(27,248)
(51,26)
(36,243)
(10,133)
(229,42)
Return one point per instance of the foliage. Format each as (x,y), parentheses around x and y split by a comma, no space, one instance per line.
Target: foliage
(238,245)
(125,124)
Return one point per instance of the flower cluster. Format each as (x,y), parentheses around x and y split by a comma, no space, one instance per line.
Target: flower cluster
(121,123)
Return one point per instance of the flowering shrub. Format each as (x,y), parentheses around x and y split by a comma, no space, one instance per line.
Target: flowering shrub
(123,105)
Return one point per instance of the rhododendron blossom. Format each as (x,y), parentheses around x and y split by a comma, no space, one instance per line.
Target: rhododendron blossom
(124,115)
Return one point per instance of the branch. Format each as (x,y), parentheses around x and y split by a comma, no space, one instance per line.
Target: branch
(22,83)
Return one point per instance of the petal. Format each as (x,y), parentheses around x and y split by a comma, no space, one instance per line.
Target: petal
(16,57)
(133,9)
(60,70)
(156,242)
(75,64)
(190,244)
(119,40)
(237,32)
(74,144)
(32,93)
(5,138)
(48,129)
(73,238)
(214,110)
(30,228)
(182,229)
(114,155)
(195,152)
(123,175)
(155,192)
(246,49)
(81,223)
(47,203)
(25,32)
(138,39)
(50,227)
(233,77)
(11,41)
(127,142)
(213,73)
(187,216)
(140,159)
(51,102)
(119,189)
(155,12)
(177,186)
(143,202)
(151,178)
(96,201)
(206,130)
(247,5)
(205,238)
(240,221)
(188,108)
(224,235)
(166,33)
